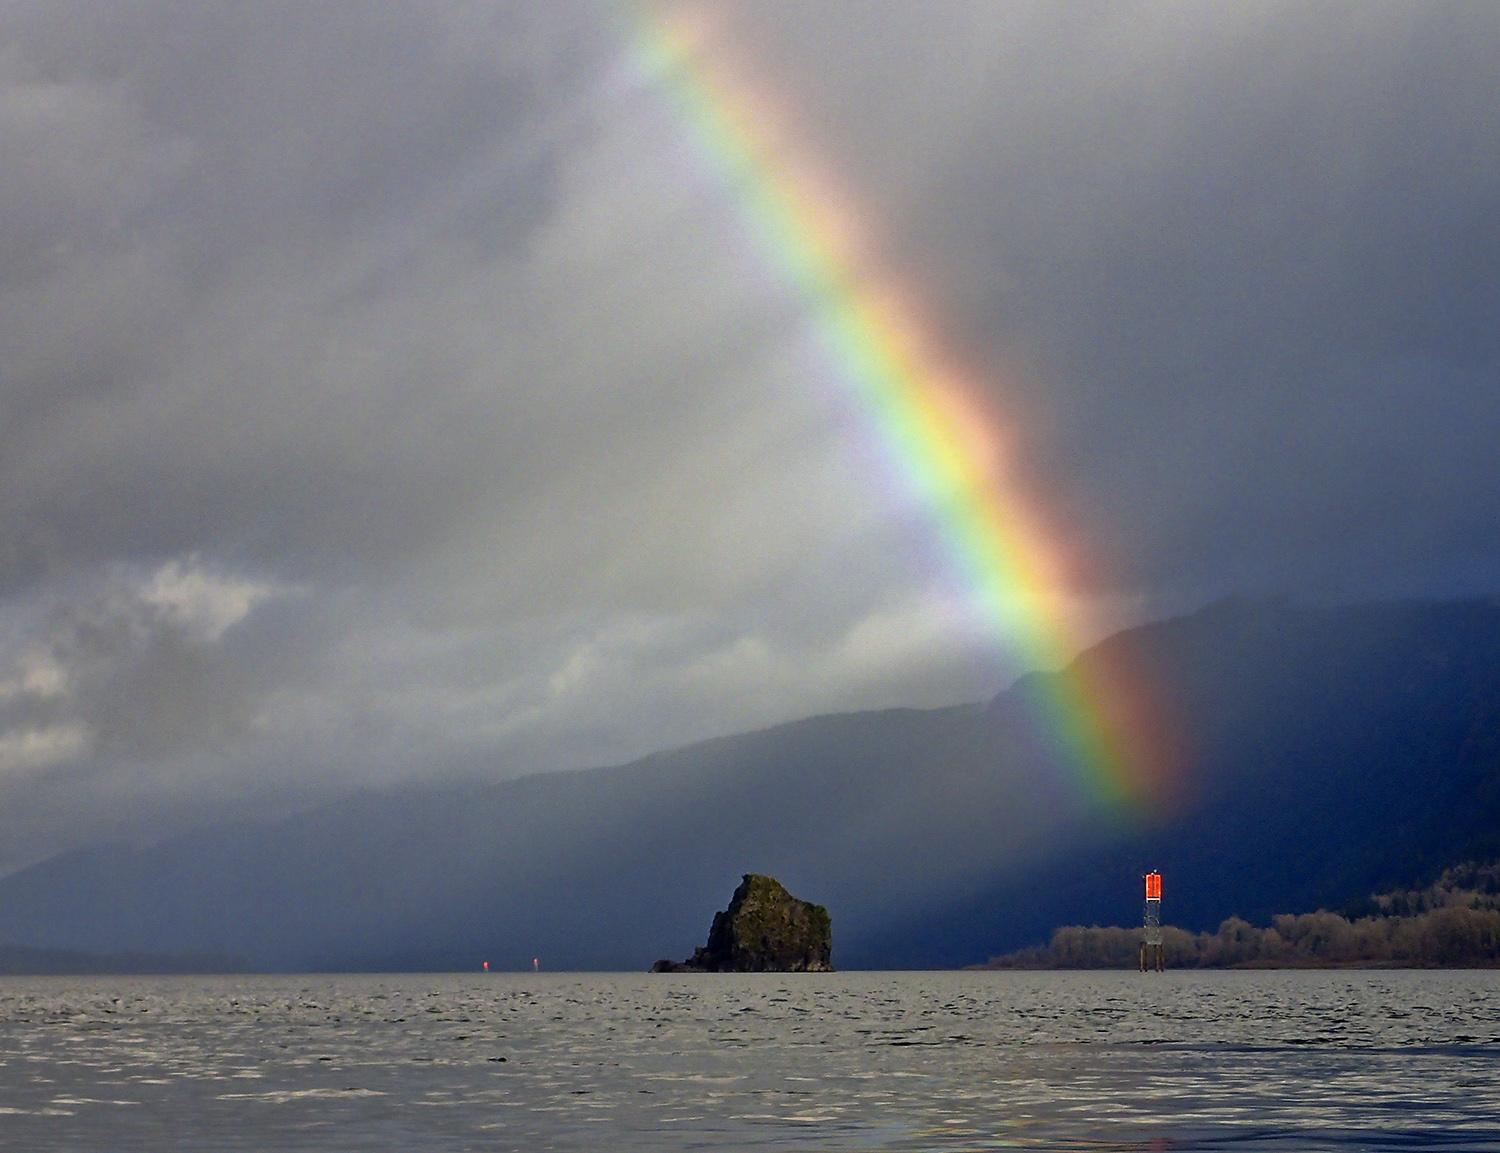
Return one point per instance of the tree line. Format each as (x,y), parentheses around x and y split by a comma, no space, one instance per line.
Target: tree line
(1453,922)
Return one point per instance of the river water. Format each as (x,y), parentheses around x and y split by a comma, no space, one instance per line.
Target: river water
(847,1061)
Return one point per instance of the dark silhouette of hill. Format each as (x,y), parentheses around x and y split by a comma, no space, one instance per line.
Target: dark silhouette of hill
(20,960)
(1329,753)
(1333,753)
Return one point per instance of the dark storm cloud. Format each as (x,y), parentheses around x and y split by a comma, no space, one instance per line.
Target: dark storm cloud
(390,390)
(212,197)
(1248,256)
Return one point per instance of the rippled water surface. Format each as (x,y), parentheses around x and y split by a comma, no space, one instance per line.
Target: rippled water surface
(861,1061)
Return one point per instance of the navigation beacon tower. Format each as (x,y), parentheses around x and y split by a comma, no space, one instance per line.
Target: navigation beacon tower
(1151,947)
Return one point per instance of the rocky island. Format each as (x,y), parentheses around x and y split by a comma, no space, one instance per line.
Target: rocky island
(764,930)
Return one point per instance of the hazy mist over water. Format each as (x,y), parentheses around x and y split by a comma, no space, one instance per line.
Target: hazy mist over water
(854,1061)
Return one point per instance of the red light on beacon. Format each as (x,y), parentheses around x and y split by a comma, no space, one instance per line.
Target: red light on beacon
(1153,886)
(486,966)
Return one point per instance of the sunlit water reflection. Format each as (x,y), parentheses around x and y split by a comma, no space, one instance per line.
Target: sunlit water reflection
(861,1061)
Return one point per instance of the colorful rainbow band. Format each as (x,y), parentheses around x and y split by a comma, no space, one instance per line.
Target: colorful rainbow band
(937,434)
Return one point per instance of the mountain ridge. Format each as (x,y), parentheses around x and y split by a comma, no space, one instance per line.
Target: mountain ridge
(935,836)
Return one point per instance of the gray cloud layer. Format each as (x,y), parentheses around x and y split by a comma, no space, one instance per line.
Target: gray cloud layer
(389,390)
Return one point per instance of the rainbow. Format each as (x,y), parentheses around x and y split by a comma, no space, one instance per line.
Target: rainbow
(928,414)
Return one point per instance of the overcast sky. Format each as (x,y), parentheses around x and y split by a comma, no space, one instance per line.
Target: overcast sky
(395,390)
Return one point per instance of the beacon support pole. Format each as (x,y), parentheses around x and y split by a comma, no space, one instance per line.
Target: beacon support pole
(1151,947)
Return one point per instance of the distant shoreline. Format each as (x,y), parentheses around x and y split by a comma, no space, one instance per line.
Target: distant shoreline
(1244,967)
(33,961)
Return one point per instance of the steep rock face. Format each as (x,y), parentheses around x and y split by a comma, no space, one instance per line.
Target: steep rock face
(764,930)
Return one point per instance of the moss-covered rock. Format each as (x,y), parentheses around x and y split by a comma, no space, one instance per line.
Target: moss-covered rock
(764,930)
